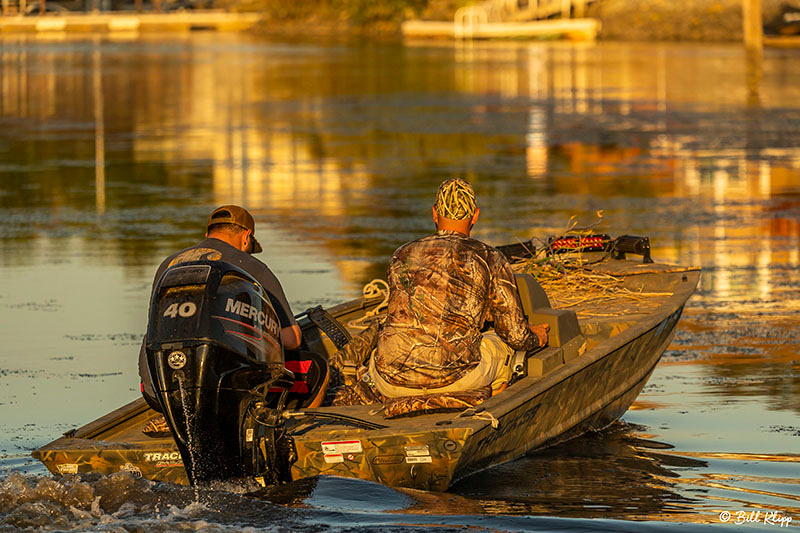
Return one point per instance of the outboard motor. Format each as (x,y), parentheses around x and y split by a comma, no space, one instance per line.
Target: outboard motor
(214,351)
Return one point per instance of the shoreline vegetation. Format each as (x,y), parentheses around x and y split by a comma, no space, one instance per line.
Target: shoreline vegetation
(622,20)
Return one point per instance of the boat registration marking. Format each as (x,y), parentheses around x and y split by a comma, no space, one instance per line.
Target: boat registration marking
(342,446)
(417,451)
(419,459)
(67,468)
(334,458)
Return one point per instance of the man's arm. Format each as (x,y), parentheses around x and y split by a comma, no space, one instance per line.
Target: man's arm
(291,337)
(506,307)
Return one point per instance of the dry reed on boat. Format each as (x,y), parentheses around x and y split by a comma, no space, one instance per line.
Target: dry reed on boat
(569,284)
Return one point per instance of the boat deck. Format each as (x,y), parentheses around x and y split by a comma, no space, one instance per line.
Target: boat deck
(608,357)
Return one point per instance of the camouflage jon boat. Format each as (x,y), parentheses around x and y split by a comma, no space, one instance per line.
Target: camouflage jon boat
(593,369)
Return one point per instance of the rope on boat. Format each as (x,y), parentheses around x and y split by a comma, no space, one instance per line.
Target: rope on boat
(378,410)
(373,289)
(486,415)
(480,413)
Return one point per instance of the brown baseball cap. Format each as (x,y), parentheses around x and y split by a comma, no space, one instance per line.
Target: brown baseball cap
(234,214)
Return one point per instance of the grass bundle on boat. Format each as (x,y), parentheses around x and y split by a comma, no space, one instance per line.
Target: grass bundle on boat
(572,281)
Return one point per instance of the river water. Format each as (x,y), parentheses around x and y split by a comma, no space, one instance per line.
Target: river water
(113,151)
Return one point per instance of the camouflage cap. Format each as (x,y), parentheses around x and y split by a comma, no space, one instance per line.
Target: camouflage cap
(239,216)
(455,199)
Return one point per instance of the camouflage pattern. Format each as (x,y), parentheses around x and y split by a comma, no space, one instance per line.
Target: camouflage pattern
(455,200)
(432,403)
(424,460)
(160,461)
(433,451)
(117,442)
(355,352)
(357,393)
(348,363)
(157,427)
(442,289)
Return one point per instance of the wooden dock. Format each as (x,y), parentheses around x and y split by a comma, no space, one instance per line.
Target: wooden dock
(583,29)
(782,41)
(112,22)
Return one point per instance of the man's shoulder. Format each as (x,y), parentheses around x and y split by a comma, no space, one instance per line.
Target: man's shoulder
(494,252)
(483,249)
(492,257)
(202,250)
(412,245)
(211,249)
(453,241)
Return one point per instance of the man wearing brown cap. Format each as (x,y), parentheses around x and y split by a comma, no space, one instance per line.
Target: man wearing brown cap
(230,238)
(443,288)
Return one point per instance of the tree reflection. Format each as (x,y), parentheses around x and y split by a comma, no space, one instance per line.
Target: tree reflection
(342,146)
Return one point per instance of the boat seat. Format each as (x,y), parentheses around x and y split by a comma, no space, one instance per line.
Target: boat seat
(563,324)
(531,293)
(565,332)
(536,306)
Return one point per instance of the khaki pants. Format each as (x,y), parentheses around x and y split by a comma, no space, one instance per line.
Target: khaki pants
(494,368)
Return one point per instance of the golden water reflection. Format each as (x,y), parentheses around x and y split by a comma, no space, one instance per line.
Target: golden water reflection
(112,153)
(324,138)
(310,136)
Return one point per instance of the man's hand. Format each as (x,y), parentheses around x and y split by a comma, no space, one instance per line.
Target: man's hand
(540,330)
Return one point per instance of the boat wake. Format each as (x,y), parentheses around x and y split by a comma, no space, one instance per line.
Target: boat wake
(124,502)
(121,502)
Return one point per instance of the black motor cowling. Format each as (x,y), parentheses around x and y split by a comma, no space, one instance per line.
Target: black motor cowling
(213,351)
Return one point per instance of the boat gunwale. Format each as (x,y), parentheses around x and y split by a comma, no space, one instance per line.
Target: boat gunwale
(557,381)
(519,392)
(608,346)
(499,404)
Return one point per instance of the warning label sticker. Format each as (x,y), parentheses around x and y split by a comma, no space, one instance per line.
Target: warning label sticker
(417,451)
(334,458)
(342,446)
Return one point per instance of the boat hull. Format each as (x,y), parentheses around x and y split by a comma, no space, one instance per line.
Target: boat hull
(585,396)
(588,399)
(116,443)
(586,390)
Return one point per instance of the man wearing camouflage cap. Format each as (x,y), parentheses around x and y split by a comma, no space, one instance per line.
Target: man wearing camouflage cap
(443,288)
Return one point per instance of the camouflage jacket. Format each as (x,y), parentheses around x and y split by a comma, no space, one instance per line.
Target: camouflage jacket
(442,289)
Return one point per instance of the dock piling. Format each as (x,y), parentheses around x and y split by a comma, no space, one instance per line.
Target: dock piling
(753,25)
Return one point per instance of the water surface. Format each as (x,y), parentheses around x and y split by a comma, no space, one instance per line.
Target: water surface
(114,151)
